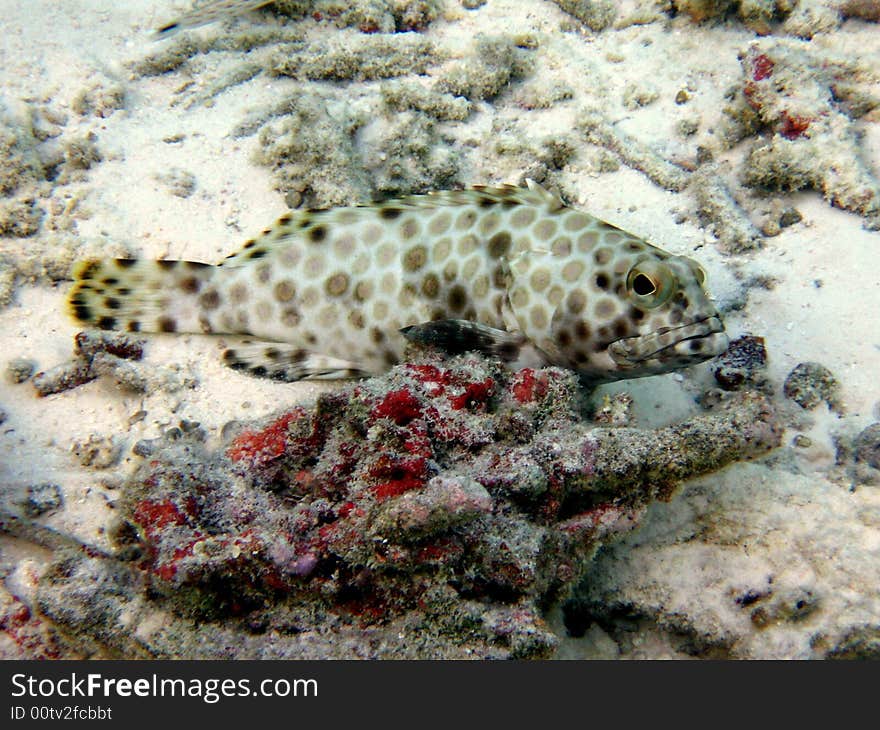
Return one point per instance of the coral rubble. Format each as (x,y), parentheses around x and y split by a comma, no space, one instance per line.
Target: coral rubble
(806,100)
(452,500)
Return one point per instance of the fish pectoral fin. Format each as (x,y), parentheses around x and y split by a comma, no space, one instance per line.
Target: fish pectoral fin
(455,336)
(288,363)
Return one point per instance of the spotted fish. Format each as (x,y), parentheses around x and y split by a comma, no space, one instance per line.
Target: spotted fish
(209,12)
(509,271)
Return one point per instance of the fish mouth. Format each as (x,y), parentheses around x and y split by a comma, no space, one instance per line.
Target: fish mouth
(634,350)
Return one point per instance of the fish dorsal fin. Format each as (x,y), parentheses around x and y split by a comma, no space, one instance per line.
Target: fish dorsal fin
(297,223)
(532,194)
(551,200)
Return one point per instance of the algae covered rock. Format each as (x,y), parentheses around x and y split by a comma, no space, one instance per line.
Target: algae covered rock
(448,500)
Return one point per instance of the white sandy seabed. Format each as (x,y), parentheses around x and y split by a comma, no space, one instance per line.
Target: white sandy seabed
(807,545)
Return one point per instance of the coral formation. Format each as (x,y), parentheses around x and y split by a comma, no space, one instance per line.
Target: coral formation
(21,171)
(114,355)
(597,15)
(806,99)
(454,499)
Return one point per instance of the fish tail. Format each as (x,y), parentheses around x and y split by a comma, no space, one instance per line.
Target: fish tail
(208,13)
(139,295)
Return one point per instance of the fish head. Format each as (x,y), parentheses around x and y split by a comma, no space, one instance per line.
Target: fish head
(639,312)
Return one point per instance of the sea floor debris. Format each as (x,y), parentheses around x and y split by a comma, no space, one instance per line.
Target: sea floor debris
(431,512)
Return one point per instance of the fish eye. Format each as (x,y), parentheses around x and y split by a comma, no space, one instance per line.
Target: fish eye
(644,285)
(649,283)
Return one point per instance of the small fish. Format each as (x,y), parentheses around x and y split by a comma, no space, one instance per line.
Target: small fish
(208,13)
(508,271)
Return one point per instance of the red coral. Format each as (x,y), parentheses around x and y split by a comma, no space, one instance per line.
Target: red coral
(401,406)
(262,447)
(155,515)
(763,67)
(30,634)
(793,126)
(526,388)
(398,475)
(475,394)
(429,374)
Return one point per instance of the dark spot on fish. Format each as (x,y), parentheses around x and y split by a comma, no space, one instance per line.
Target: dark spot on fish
(389,213)
(390,358)
(582,330)
(457,298)
(82,312)
(431,286)
(124,291)
(602,281)
(107,323)
(621,329)
(377,335)
(487,202)
(637,315)
(318,234)
(695,345)
(356,319)
(337,284)
(210,299)
(499,244)
(248,244)
(285,219)
(257,253)
(190,284)
(112,303)
(166,264)
(272,353)
(125,263)
(415,259)
(195,265)
(166,324)
(564,338)
(259,371)
(134,326)
(110,281)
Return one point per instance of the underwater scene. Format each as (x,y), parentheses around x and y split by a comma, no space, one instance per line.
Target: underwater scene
(440,329)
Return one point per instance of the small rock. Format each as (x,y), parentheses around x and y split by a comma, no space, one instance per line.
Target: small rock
(42,498)
(867,446)
(99,452)
(810,383)
(789,217)
(20,369)
(743,364)
(801,441)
